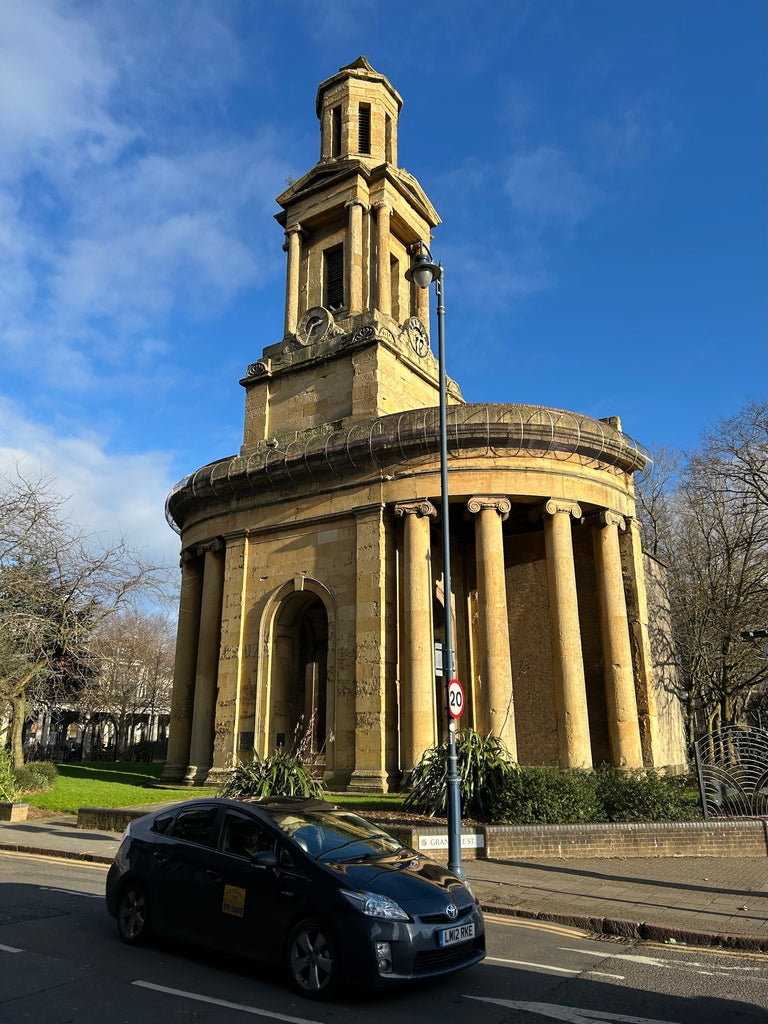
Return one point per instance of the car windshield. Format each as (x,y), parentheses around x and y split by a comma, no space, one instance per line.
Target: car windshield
(333,836)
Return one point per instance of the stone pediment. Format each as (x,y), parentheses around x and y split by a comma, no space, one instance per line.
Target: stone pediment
(323,174)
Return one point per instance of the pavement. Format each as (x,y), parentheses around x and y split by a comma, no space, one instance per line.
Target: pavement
(701,901)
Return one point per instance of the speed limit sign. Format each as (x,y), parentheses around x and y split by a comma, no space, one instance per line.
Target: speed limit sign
(455,698)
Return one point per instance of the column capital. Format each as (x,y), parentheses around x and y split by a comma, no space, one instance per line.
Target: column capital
(357,202)
(420,508)
(501,504)
(215,545)
(381,207)
(554,505)
(188,556)
(294,229)
(606,517)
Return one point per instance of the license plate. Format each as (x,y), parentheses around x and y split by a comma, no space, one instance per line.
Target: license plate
(459,933)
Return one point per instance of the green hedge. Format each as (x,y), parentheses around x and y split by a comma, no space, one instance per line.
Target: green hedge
(496,790)
(35,777)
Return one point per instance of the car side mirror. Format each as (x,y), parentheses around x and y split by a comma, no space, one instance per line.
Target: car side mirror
(264,859)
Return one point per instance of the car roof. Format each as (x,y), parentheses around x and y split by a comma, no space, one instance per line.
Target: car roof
(280,804)
(268,805)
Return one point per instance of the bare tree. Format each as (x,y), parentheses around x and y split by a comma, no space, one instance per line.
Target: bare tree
(706,517)
(58,584)
(134,678)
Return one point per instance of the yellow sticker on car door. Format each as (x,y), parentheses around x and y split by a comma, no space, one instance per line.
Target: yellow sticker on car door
(234,901)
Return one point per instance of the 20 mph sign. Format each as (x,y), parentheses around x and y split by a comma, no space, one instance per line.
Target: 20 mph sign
(455,698)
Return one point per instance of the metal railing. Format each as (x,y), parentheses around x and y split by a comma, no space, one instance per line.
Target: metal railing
(732,766)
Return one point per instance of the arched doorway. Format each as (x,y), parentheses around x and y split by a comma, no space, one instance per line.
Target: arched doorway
(298,687)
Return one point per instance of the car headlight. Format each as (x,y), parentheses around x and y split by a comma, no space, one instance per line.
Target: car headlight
(373,905)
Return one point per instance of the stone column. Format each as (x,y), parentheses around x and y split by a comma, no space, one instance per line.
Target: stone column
(354,250)
(568,663)
(494,656)
(383,283)
(422,305)
(623,726)
(183,696)
(630,543)
(204,711)
(417,693)
(293,245)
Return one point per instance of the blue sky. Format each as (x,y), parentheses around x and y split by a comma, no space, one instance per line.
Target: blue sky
(599,168)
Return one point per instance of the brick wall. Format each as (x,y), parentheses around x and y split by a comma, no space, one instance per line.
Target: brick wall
(746,838)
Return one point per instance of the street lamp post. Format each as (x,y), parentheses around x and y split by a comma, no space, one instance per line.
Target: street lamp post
(422,274)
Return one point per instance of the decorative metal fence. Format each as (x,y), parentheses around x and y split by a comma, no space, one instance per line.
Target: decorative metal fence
(732,765)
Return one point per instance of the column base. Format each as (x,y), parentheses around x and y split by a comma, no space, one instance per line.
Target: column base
(368,782)
(173,773)
(216,777)
(196,775)
(337,779)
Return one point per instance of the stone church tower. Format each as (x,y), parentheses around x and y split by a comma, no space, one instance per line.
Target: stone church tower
(312,590)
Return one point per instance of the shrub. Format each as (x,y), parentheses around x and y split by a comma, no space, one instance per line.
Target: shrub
(484,767)
(544,795)
(36,777)
(641,795)
(280,774)
(7,779)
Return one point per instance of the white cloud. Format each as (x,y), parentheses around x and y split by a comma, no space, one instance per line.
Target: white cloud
(546,190)
(121,202)
(111,494)
(54,83)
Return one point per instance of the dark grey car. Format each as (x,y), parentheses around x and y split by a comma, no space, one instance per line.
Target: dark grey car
(294,882)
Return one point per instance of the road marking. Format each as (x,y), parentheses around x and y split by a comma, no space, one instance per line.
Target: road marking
(72,892)
(571,1014)
(10,949)
(697,966)
(52,859)
(243,1007)
(549,967)
(524,922)
(526,963)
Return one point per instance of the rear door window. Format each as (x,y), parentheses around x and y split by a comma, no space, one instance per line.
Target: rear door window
(195,824)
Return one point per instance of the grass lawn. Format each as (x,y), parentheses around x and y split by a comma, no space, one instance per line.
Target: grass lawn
(123,784)
(106,784)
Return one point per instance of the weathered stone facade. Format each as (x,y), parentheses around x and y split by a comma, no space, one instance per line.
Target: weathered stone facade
(311,560)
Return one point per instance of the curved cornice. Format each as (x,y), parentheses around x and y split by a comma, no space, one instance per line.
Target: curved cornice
(501,431)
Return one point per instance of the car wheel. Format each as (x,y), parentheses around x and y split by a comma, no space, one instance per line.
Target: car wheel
(313,962)
(133,914)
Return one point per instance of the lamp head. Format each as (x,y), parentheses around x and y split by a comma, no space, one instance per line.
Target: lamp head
(424,271)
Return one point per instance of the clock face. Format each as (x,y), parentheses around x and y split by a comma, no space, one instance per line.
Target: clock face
(314,325)
(417,336)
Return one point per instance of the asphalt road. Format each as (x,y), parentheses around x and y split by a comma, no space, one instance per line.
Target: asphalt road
(61,961)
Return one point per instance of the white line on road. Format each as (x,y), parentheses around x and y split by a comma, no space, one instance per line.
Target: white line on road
(243,1007)
(571,1014)
(10,949)
(526,963)
(548,967)
(697,966)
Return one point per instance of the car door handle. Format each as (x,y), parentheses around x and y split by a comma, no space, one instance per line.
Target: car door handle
(215,876)
(161,858)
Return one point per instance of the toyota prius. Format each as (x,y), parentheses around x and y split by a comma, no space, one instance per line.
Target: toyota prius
(298,883)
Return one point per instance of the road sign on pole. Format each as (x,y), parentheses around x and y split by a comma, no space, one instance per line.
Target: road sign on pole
(455,698)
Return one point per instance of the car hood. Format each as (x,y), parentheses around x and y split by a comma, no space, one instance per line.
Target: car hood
(418,883)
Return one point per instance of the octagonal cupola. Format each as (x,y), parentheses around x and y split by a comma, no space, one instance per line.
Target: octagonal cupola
(358,110)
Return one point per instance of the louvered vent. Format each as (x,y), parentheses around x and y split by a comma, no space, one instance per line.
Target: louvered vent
(334,278)
(336,131)
(364,128)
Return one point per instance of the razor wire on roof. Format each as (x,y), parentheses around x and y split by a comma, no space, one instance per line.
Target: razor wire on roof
(473,431)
